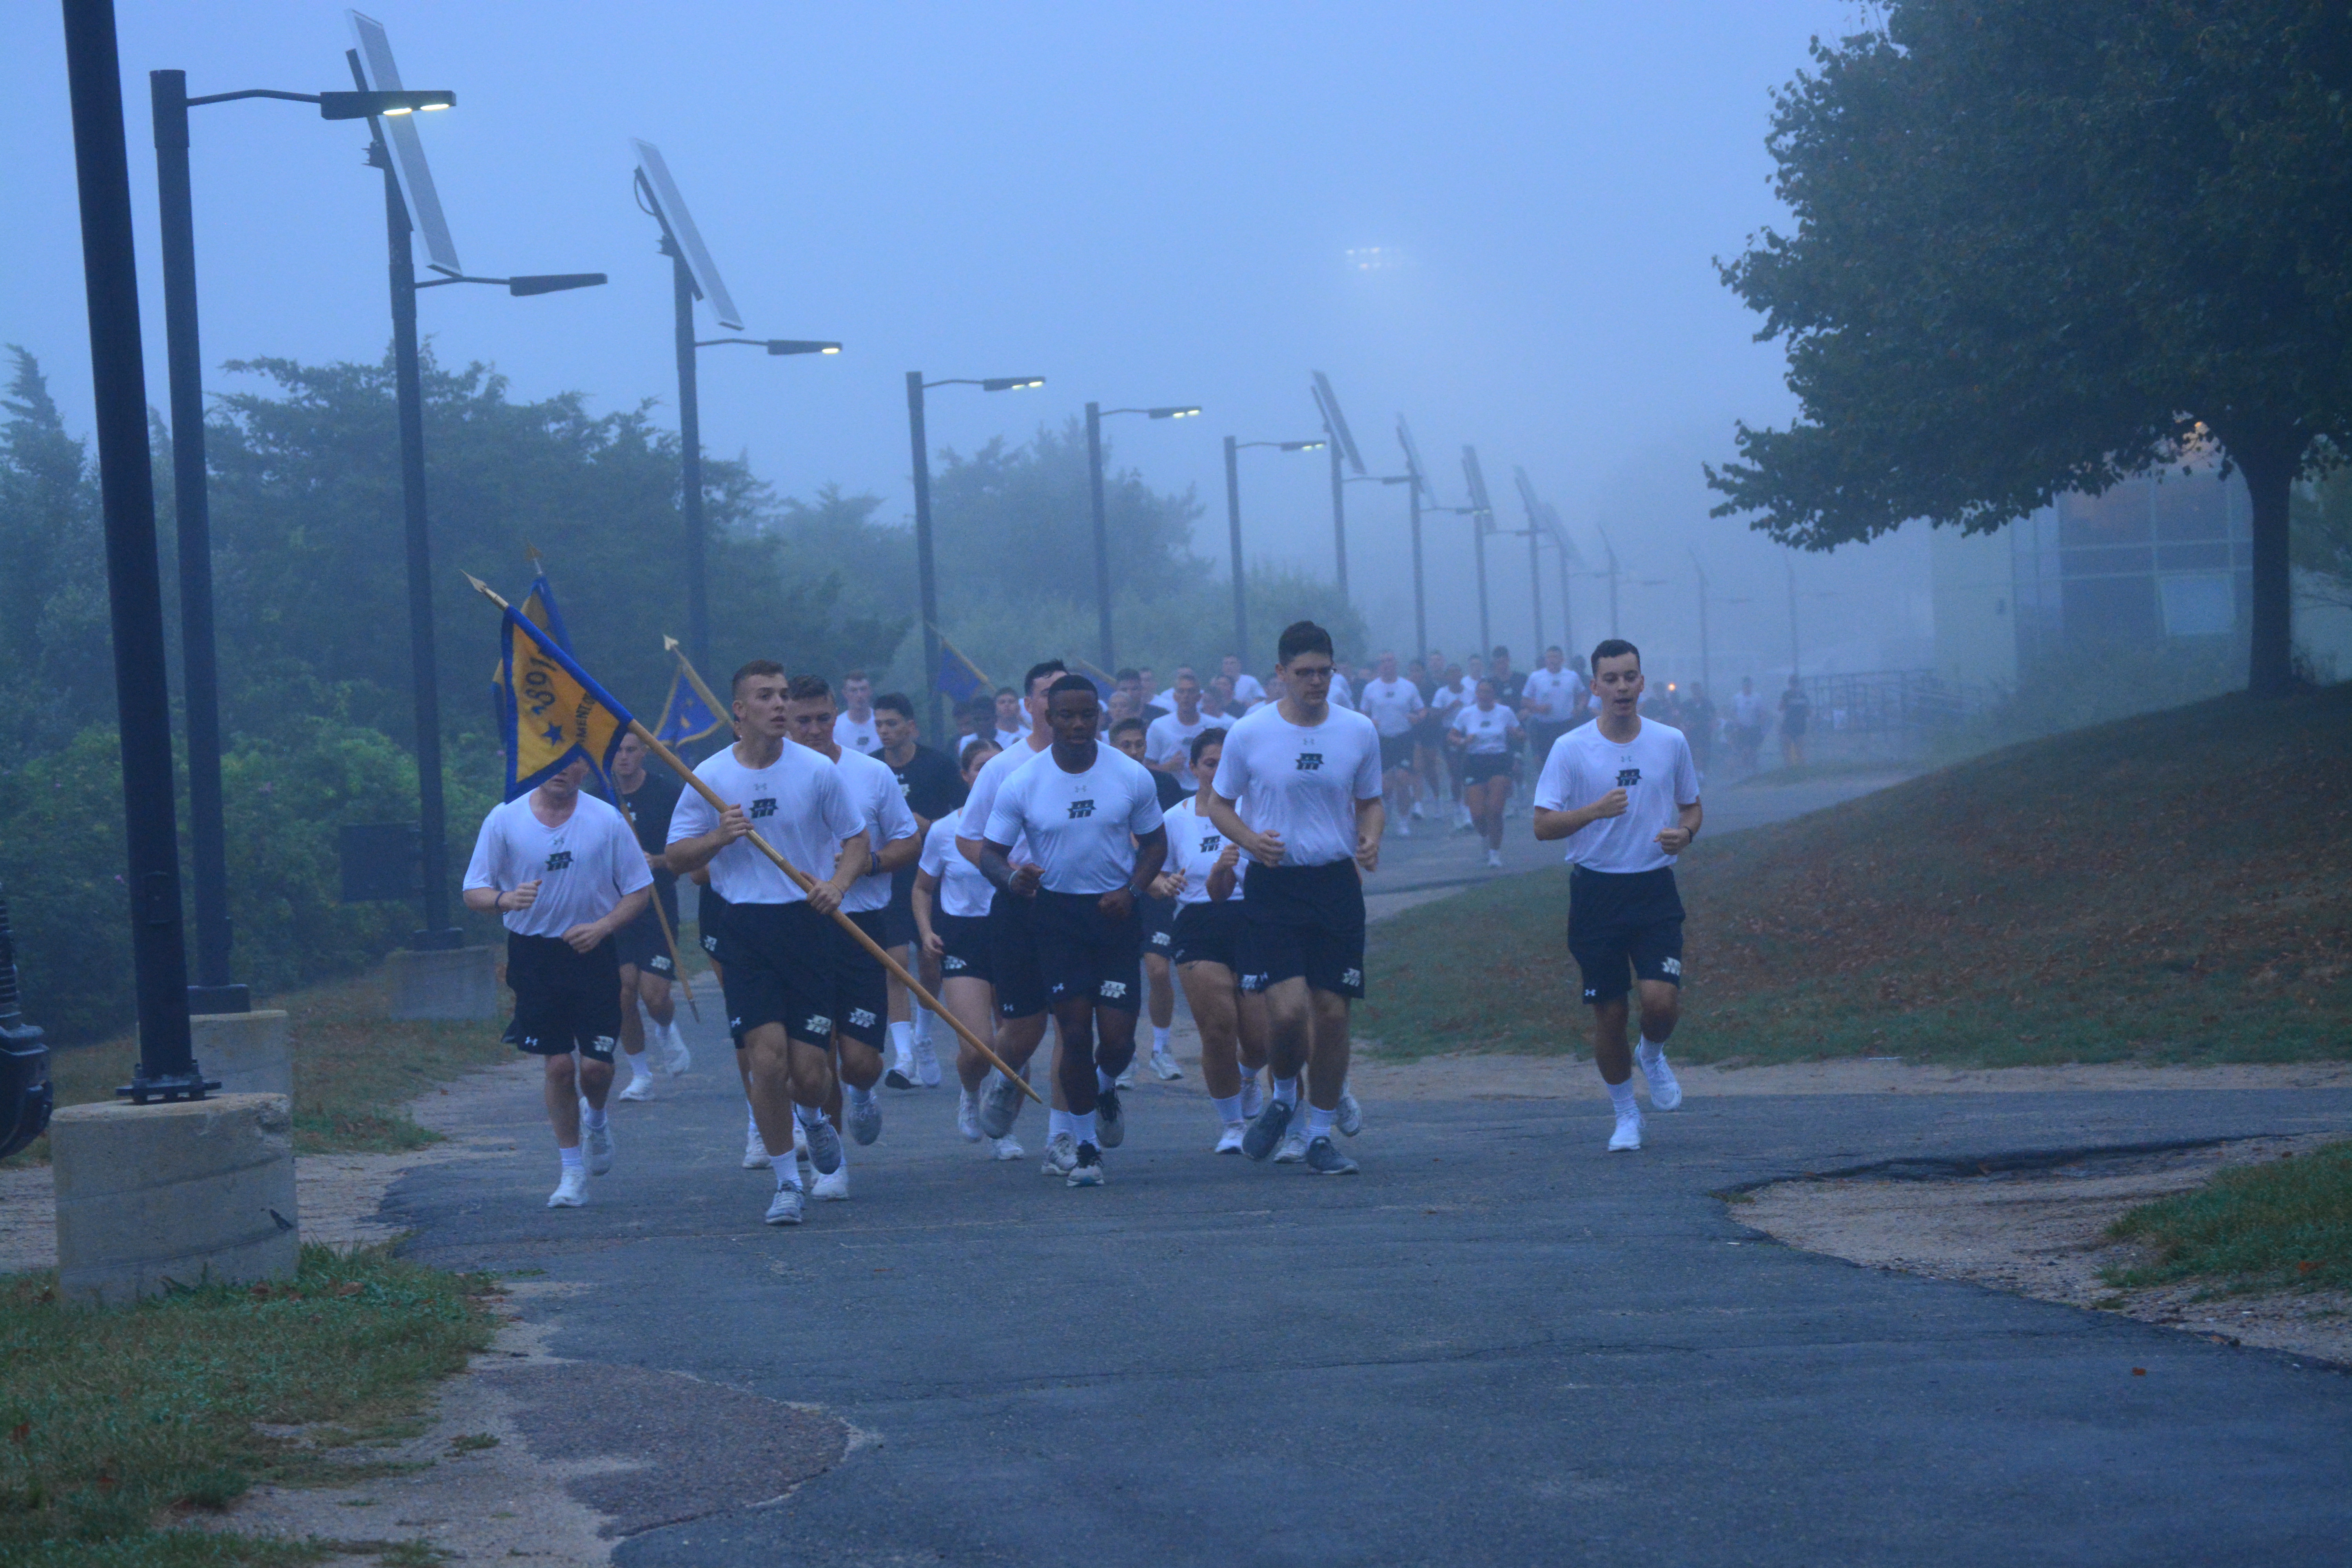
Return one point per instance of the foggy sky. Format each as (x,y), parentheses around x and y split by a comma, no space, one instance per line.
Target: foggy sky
(1143,205)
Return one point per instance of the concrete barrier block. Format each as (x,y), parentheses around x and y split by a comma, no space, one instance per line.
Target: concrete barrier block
(249,1053)
(152,1196)
(458,982)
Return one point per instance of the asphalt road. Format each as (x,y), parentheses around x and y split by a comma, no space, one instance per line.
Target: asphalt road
(1498,1345)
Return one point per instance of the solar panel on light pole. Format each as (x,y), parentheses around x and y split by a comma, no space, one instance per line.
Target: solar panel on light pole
(1418,488)
(379,74)
(671,210)
(1343,449)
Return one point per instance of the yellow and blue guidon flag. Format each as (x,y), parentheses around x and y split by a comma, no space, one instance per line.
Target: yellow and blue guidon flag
(553,710)
(685,716)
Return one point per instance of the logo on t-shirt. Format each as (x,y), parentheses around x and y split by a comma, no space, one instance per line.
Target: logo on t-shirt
(559,860)
(1079,808)
(1310,762)
(762,807)
(1211,843)
(1628,777)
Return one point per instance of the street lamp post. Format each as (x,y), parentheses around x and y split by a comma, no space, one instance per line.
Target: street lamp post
(1233,526)
(1705,658)
(1095,415)
(927,583)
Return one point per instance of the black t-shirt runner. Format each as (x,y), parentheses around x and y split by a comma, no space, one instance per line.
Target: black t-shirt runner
(1175,791)
(930,783)
(649,808)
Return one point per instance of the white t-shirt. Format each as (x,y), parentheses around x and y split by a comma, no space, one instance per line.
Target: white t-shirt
(852,736)
(962,890)
(1748,709)
(1489,730)
(1654,769)
(797,803)
(1194,846)
(1302,781)
(1343,694)
(1247,688)
(973,824)
(1554,699)
(1446,699)
(582,868)
(1080,826)
(1390,705)
(1008,739)
(1169,738)
(1165,700)
(874,791)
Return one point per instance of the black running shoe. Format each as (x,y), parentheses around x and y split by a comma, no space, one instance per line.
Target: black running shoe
(894,1079)
(1264,1135)
(1089,1171)
(1110,1121)
(1325,1160)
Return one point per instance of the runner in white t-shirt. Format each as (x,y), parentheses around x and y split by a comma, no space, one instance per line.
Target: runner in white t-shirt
(950,901)
(1011,719)
(1167,739)
(1454,690)
(1624,794)
(1552,704)
(1090,816)
(564,872)
(1393,705)
(1480,737)
(1247,688)
(854,730)
(861,992)
(1299,788)
(775,946)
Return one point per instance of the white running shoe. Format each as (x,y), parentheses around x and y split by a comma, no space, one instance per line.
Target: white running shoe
(785,1209)
(1163,1066)
(1494,859)
(834,1186)
(1666,1093)
(676,1060)
(968,1115)
(1229,1142)
(1086,1168)
(1352,1115)
(865,1119)
(755,1151)
(1628,1135)
(572,1192)
(1127,1078)
(1061,1155)
(640,1087)
(1253,1097)
(1404,826)
(1415,810)
(1007,1147)
(800,1142)
(927,1063)
(1294,1144)
(598,1143)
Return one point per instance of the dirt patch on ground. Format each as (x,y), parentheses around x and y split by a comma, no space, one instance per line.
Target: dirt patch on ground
(2043,1233)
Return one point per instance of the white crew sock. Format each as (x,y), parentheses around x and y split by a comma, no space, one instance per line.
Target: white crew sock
(902,1042)
(1082,1127)
(926,1022)
(641,1065)
(1106,1082)
(1319,1122)
(751,1120)
(1649,1045)
(857,1096)
(593,1119)
(1286,1089)
(1229,1110)
(788,1174)
(1159,1040)
(1620,1095)
(1058,1123)
(570,1156)
(808,1115)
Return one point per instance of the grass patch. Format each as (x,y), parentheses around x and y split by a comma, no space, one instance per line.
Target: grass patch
(2287,1223)
(114,1422)
(2171,888)
(356,1070)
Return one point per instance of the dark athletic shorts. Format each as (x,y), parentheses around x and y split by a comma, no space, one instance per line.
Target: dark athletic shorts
(710,916)
(641,942)
(565,1000)
(1396,752)
(861,987)
(1624,926)
(1158,918)
(1303,921)
(1084,956)
(778,968)
(899,919)
(1478,768)
(1013,957)
(969,955)
(1209,932)
(1541,734)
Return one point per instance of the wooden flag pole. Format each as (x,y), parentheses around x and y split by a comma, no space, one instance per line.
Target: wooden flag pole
(804,882)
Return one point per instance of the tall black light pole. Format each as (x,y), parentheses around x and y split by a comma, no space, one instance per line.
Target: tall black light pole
(1233,525)
(927,583)
(408,375)
(1482,523)
(1095,415)
(214,991)
(1419,590)
(1706,658)
(1610,551)
(133,577)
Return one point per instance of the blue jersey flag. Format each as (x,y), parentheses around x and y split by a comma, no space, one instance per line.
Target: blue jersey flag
(685,716)
(555,712)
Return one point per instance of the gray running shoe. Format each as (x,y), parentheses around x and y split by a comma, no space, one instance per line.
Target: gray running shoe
(824,1146)
(865,1119)
(1000,1103)
(1061,1155)
(1110,1121)
(1164,1067)
(1325,1160)
(1088,1170)
(1352,1115)
(786,1209)
(1294,1145)
(1265,1132)
(598,1144)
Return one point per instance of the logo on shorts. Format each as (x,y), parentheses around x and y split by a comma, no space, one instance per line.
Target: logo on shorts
(1628,777)
(1159,939)
(659,960)
(559,860)
(1112,990)
(951,965)
(1310,762)
(1081,808)
(763,806)
(1673,966)
(1253,981)
(861,1019)
(817,1024)
(603,1042)
(1352,977)
(736,1025)
(710,944)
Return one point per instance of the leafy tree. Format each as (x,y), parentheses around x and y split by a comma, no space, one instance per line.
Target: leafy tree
(2042,249)
(56,660)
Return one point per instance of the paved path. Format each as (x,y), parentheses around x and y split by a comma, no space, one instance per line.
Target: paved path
(1498,1345)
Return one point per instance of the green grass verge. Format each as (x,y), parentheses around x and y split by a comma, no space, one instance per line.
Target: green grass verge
(2107,895)
(115,1423)
(2283,1224)
(354,1068)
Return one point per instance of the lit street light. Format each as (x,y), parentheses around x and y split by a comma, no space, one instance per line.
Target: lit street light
(926,579)
(1095,415)
(1234,521)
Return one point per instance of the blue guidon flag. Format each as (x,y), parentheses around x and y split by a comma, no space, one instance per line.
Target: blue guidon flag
(555,712)
(685,715)
(960,679)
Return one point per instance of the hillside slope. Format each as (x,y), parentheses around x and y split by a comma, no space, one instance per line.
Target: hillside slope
(2176,886)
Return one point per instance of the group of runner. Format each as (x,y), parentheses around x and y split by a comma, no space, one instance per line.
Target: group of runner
(1075,859)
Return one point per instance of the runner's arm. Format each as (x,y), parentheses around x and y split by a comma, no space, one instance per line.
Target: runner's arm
(926,887)
(1677,838)
(1263,847)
